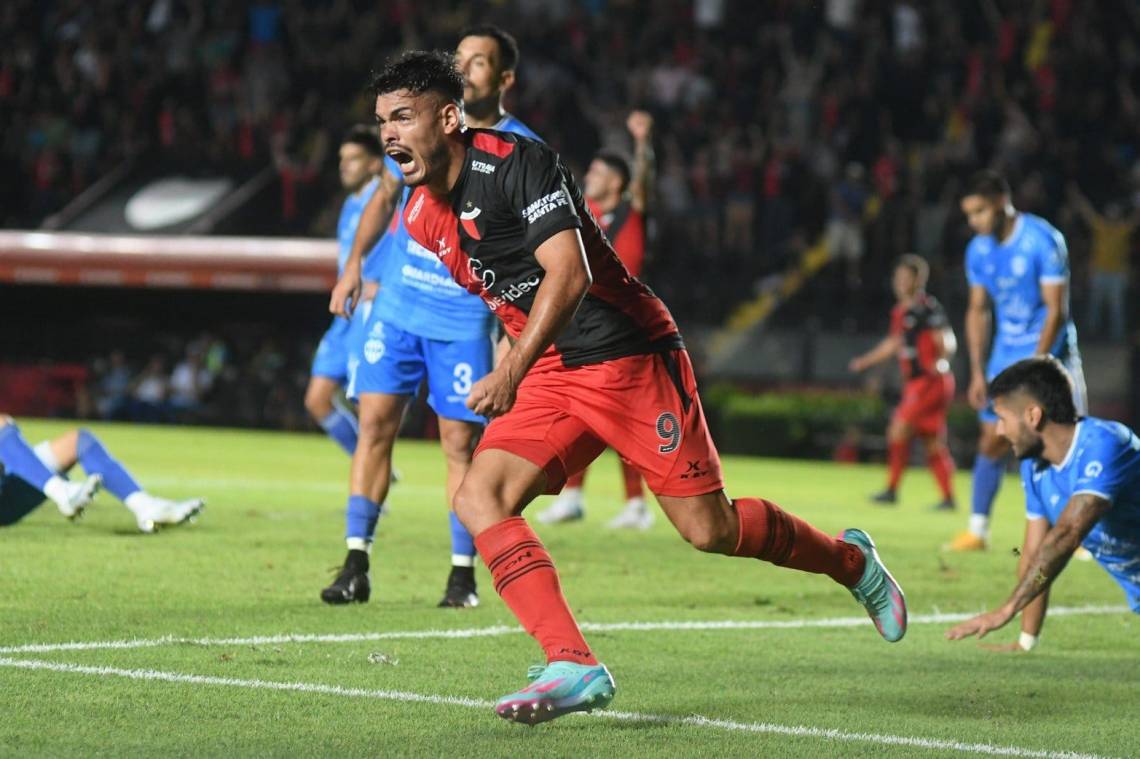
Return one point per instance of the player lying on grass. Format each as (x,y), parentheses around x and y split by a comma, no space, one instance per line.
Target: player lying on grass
(29,475)
(1082,487)
(596,360)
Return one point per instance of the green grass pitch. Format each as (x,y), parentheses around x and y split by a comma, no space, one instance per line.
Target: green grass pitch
(254,563)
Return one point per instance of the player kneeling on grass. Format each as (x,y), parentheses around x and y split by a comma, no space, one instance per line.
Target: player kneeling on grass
(596,360)
(28,475)
(1082,487)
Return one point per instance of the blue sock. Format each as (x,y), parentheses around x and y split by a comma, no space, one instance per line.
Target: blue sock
(19,459)
(97,460)
(341,426)
(987,480)
(462,544)
(360,518)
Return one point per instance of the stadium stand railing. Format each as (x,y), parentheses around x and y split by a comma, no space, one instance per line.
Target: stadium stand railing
(232,263)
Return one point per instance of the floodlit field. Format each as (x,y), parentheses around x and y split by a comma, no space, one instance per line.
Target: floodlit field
(210,639)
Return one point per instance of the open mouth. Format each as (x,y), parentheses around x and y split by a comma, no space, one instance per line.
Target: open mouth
(402,157)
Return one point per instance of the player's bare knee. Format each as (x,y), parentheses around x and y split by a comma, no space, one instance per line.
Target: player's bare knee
(898,432)
(709,534)
(457,442)
(6,420)
(479,507)
(318,401)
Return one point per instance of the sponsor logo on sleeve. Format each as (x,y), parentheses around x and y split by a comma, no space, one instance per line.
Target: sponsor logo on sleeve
(414,211)
(544,205)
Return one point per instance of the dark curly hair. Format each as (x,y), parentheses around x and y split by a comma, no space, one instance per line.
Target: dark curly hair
(1045,380)
(420,71)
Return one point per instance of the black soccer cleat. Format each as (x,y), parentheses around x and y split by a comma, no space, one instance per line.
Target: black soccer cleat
(886,498)
(460,593)
(352,584)
(946,504)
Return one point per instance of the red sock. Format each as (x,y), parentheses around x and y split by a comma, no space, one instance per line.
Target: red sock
(768,532)
(576,480)
(898,454)
(942,465)
(632,479)
(526,579)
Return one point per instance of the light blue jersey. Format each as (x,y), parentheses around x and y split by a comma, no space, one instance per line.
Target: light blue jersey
(1012,273)
(346,232)
(417,293)
(335,352)
(1104,460)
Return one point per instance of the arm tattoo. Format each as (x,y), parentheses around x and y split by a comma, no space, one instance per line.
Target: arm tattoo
(1080,515)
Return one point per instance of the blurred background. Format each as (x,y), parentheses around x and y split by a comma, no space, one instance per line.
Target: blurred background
(170,187)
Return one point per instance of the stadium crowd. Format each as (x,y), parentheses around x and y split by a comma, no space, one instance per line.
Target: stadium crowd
(779,124)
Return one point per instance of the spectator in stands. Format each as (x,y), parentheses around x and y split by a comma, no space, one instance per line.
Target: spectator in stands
(189,383)
(845,227)
(1108,264)
(113,386)
(149,392)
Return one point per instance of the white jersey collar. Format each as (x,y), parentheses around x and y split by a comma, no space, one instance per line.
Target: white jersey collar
(1072,447)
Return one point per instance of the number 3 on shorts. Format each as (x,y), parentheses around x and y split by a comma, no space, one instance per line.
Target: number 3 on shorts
(462,374)
(669,430)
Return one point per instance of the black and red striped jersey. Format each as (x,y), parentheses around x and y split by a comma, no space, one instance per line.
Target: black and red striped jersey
(917,324)
(512,195)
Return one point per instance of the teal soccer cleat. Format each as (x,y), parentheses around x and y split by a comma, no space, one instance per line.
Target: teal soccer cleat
(558,688)
(880,595)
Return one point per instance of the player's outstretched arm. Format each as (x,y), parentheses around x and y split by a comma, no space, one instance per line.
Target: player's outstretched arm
(977,339)
(373,219)
(640,126)
(887,349)
(1033,615)
(1082,512)
(564,284)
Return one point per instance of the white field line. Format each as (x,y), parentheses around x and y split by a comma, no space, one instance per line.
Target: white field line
(498,630)
(307,486)
(799,731)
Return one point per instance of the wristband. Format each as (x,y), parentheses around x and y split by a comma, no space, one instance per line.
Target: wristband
(1027,642)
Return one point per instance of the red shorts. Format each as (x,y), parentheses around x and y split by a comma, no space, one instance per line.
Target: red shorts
(925,401)
(645,407)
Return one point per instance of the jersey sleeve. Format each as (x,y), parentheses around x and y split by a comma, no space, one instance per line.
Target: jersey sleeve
(1052,259)
(1034,509)
(393,168)
(1101,467)
(536,187)
(974,265)
(935,315)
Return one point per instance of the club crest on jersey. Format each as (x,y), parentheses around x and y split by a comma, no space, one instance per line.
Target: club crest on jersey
(467,221)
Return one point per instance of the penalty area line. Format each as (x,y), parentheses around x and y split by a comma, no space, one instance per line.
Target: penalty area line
(499,630)
(697,721)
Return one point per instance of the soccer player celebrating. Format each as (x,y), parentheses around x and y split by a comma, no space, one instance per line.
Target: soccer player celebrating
(621,216)
(596,360)
(423,326)
(1082,487)
(30,475)
(923,342)
(1018,263)
(361,161)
